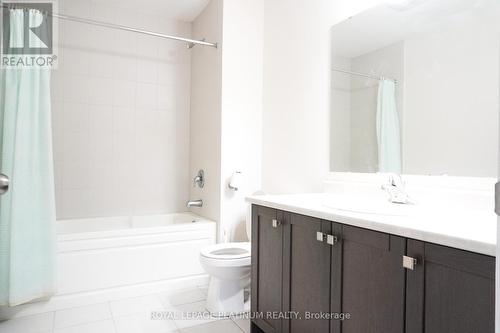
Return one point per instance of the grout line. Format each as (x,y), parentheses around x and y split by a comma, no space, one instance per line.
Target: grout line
(53,322)
(241,328)
(112,317)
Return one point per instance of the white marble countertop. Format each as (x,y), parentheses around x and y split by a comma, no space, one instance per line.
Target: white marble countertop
(450,225)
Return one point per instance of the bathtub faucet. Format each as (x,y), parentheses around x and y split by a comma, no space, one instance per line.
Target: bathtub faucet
(194,203)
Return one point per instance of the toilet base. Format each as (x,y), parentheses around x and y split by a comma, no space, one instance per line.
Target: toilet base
(226,297)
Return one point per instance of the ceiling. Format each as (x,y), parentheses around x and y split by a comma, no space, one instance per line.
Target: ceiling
(182,10)
(386,25)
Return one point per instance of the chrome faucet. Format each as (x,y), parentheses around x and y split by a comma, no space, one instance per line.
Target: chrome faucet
(395,188)
(194,203)
(199,179)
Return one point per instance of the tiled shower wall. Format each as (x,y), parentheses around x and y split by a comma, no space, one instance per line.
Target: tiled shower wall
(120,115)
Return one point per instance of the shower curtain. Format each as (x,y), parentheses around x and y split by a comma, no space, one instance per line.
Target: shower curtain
(388,128)
(27,210)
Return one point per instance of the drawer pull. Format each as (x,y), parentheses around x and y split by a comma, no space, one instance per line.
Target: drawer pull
(331,240)
(409,263)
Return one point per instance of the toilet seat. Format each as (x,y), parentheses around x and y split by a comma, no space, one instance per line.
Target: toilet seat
(227,255)
(227,251)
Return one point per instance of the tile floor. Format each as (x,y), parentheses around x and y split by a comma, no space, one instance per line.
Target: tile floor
(180,311)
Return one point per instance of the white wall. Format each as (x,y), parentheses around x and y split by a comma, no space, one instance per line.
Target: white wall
(295,155)
(243,28)
(121,115)
(451,102)
(226,110)
(206,89)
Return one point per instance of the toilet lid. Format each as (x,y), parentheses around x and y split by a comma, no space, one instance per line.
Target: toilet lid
(227,251)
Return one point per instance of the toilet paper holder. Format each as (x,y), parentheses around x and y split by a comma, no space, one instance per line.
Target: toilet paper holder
(235,181)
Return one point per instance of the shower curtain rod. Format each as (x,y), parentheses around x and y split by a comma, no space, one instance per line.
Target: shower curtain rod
(190,42)
(364,75)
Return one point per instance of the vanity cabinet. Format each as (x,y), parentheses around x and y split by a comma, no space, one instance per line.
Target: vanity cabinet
(267,267)
(306,265)
(306,268)
(449,290)
(373,281)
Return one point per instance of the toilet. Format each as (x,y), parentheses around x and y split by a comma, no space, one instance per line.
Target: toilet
(228,265)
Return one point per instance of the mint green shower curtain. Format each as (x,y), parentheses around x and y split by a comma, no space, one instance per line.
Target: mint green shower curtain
(388,129)
(27,211)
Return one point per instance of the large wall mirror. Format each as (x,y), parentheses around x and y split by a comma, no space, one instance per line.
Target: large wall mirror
(415,89)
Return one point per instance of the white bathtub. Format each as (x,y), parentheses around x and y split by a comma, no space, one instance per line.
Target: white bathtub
(102,259)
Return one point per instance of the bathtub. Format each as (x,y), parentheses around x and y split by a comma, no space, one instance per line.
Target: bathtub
(102,259)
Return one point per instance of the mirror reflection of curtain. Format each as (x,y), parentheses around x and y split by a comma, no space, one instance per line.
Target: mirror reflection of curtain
(27,210)
(388,128)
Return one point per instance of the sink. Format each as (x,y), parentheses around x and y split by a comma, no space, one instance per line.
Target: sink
(373,205)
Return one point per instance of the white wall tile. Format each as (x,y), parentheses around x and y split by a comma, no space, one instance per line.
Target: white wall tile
(75,174)
(56,85)
(101,64)
(76,88)
(147,71)
(76,117)
(74,203)
(110,97)
(124,93)
(125,67)
(147,46)
(101,92)
(146,96)
(75,34)
(102,12)
(75,7)
(75,61)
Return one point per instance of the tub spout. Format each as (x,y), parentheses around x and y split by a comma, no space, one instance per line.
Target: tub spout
(194,203)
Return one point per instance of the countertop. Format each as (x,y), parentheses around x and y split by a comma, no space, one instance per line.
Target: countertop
(450,225)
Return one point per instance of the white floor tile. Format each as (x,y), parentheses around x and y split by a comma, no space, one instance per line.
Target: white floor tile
(105,326)
(191,314)
(183,297)
(142,323)
(135,305)
(243,324)
(82,315)
(204,289)
(225,326)
(29,324)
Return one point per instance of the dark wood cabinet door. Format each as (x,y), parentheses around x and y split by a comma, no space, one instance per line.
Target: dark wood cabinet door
(450,290)
(307,264)
(372,281)
(267,267)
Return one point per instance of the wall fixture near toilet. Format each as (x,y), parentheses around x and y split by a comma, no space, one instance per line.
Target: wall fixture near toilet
(434,67)
(235,181)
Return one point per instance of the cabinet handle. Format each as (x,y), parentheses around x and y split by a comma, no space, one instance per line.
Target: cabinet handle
(276,223)
(329,239)
(409,263)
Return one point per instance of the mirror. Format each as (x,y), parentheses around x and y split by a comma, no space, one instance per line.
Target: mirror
(415,89)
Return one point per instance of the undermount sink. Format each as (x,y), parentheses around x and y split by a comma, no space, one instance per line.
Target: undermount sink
(374,205)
